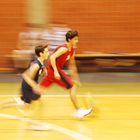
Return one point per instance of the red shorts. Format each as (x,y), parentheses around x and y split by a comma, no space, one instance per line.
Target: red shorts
(65,81)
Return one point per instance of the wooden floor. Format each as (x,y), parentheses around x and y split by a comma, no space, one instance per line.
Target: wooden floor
(115,117)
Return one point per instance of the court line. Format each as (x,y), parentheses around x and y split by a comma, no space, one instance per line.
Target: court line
(73,134)
(92,95)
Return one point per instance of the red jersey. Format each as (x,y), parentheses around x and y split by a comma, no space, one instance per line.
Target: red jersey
(65,80)
(60,61)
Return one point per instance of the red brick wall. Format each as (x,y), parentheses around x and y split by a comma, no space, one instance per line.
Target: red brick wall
(11,19)
(104,25)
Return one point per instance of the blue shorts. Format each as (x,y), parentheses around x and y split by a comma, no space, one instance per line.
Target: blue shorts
(28,94)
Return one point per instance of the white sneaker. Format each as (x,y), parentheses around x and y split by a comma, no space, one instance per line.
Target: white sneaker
(19,101)
(20,106)
(12,102)
(83,112)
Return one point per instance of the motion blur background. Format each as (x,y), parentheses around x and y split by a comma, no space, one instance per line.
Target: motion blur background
(104,26)
(107,57)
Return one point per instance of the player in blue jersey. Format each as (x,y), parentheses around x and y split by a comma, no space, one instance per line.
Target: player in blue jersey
(30,89)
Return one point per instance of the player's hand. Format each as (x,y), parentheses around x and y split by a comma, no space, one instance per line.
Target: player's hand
(56,75)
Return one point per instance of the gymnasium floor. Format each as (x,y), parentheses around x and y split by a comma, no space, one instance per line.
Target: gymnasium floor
(116,115)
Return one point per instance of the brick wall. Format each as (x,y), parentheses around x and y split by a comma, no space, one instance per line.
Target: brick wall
(104,25)
(11,19)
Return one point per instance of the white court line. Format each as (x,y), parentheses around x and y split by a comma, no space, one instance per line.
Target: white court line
(79,95)
(73,134)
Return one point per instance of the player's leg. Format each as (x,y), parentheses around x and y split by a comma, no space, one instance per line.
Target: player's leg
(34,111)
(26,97)
(35,105)
(11,102)
(68,84)
(80,113)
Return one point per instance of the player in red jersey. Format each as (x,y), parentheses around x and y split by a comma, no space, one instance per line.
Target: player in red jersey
(56,74)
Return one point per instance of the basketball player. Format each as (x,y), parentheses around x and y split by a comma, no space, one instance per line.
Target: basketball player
(55,73)
(30,90)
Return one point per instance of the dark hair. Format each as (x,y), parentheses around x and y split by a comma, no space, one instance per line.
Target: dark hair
(39,49)
(71,34)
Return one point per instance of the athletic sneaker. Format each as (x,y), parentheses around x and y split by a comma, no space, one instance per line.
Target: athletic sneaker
(19,101)
(80,113)
(11,102)
(20,106)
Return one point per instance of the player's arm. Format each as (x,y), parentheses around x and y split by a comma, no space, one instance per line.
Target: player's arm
(44,72)
(53,58)
(29,75)
(73,71)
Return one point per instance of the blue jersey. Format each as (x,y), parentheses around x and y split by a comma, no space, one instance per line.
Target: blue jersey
(24,83)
